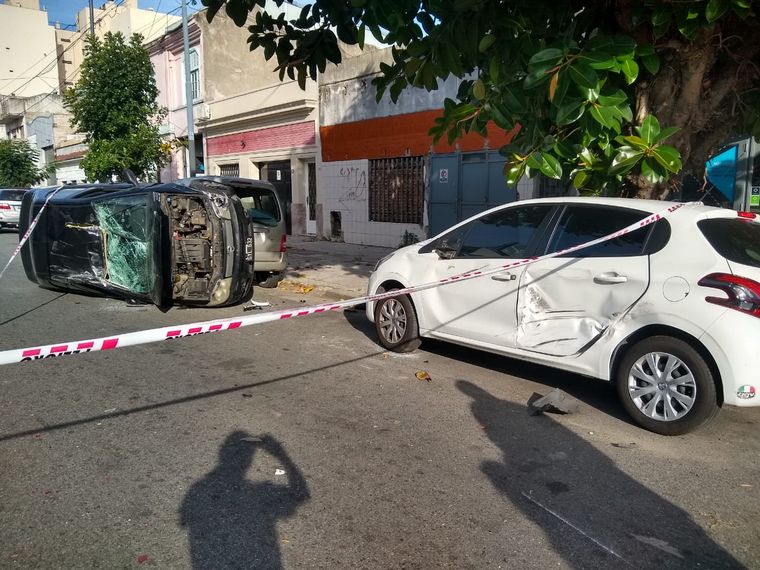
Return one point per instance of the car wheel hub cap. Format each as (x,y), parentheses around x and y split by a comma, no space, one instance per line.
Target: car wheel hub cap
(392,321)
(661,386)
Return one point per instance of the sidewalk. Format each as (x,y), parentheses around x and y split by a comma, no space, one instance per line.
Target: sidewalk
(335,270)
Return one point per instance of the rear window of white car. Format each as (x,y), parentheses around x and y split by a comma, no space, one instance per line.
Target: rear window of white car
(581,224)
(12,195)
(735,239)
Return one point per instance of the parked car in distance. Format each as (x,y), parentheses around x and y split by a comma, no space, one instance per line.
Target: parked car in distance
(163,243)
(264,208)
(10,206)
(670,312)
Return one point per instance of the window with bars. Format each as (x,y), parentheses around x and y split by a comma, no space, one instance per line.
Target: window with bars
(195,74)
(396,189)
(229,170)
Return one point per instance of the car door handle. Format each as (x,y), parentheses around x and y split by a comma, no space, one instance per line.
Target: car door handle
(504,277)
(610,278)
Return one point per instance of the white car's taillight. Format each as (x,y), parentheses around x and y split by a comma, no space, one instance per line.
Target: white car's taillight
(283,243)
(742,294)
(5,206)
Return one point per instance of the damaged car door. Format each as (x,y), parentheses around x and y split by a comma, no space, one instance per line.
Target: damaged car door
(566,303)
(483,310)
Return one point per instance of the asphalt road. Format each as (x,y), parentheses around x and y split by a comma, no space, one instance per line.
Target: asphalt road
(302,444)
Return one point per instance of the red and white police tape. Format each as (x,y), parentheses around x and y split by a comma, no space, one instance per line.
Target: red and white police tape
(205,327)
(29,231)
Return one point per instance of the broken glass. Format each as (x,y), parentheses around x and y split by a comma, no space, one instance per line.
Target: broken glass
(126,229)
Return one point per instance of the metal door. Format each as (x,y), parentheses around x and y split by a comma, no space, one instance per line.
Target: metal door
(311,198)
(465,184)
(278,173)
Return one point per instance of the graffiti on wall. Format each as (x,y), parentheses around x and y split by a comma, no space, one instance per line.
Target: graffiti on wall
(354,184)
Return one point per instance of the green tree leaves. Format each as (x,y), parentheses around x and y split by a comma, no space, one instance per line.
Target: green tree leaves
(18,164)
(566,75)
(114,105)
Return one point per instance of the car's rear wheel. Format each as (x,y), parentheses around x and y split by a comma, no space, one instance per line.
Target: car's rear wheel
(268,280)
(666,386)
(396,324)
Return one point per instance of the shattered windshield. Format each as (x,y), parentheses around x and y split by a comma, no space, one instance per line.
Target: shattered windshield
(127,231)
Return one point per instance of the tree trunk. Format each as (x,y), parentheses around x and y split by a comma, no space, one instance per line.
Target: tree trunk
(697,90)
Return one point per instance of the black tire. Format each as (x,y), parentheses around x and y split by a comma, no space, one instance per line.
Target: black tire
(396,324)
(662,401)
(269,281)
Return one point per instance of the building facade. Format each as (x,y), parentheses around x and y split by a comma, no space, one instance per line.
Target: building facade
(380,179)
(247,122)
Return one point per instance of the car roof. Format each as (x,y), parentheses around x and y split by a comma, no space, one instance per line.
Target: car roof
(693,209)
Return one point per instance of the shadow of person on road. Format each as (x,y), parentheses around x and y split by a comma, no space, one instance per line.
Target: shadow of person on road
(593,514)
(232,521)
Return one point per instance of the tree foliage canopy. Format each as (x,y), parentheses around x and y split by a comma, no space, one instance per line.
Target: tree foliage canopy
(114,105)
(18,164)
(611,96)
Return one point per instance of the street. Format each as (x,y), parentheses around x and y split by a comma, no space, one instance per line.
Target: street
(303,444)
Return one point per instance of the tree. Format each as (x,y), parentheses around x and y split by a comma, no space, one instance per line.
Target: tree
(18,164)
(114,105)
(597,87)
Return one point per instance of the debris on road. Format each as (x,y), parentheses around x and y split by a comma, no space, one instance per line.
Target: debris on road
(628,445)
(295,286)
(555,402)
(279,472)
(422,375)
(256,305)
(143,558)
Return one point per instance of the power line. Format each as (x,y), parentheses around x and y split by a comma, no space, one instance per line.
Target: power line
(76,71)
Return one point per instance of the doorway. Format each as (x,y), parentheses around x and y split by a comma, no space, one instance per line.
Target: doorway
(278,173)
(311,198)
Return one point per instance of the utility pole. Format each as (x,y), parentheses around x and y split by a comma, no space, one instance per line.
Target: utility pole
(188,96)
(92,19)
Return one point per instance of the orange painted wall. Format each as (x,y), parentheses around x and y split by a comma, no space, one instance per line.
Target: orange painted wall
(399,135)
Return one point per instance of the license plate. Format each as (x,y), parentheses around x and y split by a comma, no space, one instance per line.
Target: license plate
(249,249)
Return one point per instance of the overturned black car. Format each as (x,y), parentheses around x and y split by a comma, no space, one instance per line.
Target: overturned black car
(161,244)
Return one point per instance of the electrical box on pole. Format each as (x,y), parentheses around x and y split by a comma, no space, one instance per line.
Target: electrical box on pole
(735,172)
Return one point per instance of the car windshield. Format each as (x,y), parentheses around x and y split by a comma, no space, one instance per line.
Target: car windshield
(127,231)
(260,204)
(12,195)
(735,239)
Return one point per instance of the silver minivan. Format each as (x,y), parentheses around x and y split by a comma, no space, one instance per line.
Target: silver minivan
(266,211)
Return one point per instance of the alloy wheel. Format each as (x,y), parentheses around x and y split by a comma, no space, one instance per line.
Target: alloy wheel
(392,321)
(661,386)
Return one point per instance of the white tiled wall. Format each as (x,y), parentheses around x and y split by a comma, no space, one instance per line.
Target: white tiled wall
(343,187)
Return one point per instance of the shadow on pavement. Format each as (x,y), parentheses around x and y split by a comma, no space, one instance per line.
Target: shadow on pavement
(231,521)
(593,514)
(598,394)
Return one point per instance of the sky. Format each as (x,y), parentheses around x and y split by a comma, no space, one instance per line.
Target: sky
(65,11)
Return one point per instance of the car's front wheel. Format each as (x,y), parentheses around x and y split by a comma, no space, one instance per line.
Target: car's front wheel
(396,324)
(666,386)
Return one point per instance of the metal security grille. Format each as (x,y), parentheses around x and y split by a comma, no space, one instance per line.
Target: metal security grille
(396,189)
(312,191)
(229,170)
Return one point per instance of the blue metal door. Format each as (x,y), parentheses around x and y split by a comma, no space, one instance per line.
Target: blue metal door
(465,184)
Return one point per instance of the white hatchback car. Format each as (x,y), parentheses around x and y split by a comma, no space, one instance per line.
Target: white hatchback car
(669,312)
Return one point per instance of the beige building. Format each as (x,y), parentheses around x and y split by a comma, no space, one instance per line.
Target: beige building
(247,122)
(125,17)
(27,50)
